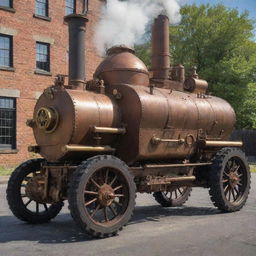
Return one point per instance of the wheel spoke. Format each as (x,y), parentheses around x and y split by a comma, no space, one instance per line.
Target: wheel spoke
(236,191)
(229,194)
(90,192)
(113,210)
(233,194)
(106,177)
(91,201)
(224,180)
(225,173)
(45,207)
(105,214)
(118,187)
(226,189)
(30,200)
(114,179)
(95,211)
(180,191)
(119,195)
(95,183)
(176,195)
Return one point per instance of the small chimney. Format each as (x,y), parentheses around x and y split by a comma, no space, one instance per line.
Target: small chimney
(77,28)
(161,48)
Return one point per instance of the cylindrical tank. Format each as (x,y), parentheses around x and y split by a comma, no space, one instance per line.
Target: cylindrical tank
(65,117)
(122,66)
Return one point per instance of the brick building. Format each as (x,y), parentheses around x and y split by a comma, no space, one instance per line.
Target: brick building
(33,50)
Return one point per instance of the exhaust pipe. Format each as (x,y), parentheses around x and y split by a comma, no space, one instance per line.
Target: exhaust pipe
(77,28)
(161,48)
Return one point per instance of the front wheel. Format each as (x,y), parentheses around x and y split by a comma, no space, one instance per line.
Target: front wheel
(229,180)
(22,205)
(101,195)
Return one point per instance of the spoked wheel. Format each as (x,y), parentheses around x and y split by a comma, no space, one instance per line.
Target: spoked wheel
(177,196)
(22,205)
(102,196)
(229,180)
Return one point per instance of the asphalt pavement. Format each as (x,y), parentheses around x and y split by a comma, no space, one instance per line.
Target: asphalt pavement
(197,229)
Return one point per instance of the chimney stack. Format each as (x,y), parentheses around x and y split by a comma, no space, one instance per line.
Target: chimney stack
(77,28)
(161,48)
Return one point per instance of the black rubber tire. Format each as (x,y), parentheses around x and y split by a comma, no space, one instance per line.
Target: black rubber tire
(165,201)
(15,201)
(77,185)
(216,184)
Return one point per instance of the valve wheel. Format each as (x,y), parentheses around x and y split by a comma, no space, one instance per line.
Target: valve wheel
(23,205)
(175,197)
(229,180)
(102,196)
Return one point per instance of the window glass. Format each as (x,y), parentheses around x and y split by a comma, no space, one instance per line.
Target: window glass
(42,7)
(5,50)
(6,3)
(7,123)
(43,56)
(70,6)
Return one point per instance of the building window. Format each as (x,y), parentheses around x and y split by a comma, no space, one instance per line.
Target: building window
(7,123)
(42,8)
(6,3)
(6,51)
(43,56)
(70,7)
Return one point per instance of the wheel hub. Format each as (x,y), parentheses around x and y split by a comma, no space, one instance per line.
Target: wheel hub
(234,179)
(106,195)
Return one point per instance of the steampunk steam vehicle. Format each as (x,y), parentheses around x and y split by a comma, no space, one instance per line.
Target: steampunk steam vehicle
(126,132)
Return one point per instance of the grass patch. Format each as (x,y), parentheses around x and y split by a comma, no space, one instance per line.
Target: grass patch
(5,171)
(253,168)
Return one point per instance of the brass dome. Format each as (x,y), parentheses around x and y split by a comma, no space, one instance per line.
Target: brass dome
(122,66)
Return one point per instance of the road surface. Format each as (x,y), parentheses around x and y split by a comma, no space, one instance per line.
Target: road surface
(195,229)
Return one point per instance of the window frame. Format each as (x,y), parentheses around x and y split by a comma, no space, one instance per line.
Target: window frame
(74,8)
(10,5)
(39,70)
(44,17)
(13,145)
(10,51)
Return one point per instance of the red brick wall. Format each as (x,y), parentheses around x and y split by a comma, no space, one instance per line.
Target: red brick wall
(24,79)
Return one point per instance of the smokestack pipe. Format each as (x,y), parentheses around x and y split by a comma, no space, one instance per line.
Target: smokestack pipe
(77,28)
(161,48)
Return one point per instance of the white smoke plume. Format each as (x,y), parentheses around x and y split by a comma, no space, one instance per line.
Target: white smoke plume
(125,22)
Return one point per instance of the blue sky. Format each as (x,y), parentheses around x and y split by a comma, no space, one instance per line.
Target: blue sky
(241,5)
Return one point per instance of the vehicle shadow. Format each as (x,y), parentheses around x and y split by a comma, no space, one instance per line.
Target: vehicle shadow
(63,229)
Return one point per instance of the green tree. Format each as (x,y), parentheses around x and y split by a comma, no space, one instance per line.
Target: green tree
(219,41)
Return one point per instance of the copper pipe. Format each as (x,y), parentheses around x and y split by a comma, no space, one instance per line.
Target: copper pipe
(149,166)
(209,143)
(79,148)
(156,140)
(161,48)
(110,130)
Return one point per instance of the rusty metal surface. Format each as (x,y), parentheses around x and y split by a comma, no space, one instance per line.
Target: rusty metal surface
(121,109)
(77,110)
(122,66)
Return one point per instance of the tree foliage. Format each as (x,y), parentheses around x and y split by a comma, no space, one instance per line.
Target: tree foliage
(219,41)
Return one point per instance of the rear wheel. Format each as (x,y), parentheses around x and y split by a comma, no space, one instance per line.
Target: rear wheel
(177,196)
(102,196)
(23,206)
(229,180)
